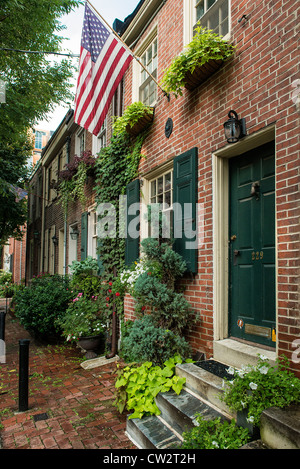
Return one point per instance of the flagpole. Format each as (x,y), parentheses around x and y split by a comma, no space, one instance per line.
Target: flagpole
(120,39)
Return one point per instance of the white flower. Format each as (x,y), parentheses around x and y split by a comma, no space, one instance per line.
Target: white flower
(230,370)
(250,419)
(263,370)
(214,443)
(262,357)
(253,386)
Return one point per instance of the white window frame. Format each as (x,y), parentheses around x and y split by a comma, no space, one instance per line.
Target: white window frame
(146,195)
(92,233)
(189,13)
(99,141)
(137,68)
(80,142)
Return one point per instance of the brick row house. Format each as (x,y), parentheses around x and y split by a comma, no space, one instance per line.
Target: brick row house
(56,239)
(243,274)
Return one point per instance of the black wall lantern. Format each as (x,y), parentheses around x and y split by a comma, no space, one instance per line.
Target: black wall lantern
(74,233)
(234,128)
(55,240)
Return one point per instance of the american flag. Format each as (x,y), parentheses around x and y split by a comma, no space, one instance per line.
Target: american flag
(102,64)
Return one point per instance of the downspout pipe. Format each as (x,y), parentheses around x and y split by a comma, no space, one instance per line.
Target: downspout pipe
(68,143)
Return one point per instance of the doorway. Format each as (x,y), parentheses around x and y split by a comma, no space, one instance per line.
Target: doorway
(251,256)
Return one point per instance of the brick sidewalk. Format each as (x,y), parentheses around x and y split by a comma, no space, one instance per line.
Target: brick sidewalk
(77,402)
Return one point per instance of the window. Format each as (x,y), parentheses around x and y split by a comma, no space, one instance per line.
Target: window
(148,87)
(161,192)
(80,142)
(213,14)
(175,187)
(99,141)
(39,139)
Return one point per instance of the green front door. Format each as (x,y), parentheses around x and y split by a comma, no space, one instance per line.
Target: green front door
(252,246)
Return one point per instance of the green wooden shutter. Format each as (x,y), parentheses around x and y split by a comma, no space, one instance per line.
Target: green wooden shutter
(132,244)
(185,192)
(84,235)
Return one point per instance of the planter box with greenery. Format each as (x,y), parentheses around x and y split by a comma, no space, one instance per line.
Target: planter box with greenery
(136,118)
(202,57)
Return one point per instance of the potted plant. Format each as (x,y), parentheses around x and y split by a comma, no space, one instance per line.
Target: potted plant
(201,58)
(136,118)
(258,387)
(85,324)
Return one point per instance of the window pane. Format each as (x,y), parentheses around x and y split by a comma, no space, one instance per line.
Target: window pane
(160,185)
(153,188)
(167,181)
(200,10)
(224,28)
(149,52)
(214,21)
(210,3)
(160,198)
(168,198)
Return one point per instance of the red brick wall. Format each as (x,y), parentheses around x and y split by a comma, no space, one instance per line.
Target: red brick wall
(257,83)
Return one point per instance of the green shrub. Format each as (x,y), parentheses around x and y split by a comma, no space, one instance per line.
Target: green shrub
(41,305)
(214,434)
(146,341)
(153,284)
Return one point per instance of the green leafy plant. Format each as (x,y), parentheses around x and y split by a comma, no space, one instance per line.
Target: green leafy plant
(214,434)
(40,305)
(116,166)
(87,266)
(72,180)
(205,46)
(82,319)
(137,386)
(132,114)
(261,386)
(147,342)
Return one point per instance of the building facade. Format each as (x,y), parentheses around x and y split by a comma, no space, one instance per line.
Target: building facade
(240,201)
(244,273)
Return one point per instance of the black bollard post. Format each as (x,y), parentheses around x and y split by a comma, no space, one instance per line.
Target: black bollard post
(23,374)
(2,325)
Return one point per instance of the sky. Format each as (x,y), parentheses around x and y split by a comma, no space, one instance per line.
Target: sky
(109,10)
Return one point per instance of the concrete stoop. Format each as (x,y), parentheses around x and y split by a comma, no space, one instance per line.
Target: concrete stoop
(178,412)
(280,429)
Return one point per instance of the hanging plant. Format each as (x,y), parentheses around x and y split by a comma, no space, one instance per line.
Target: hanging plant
(202,57)
(136,118)
(72,180)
